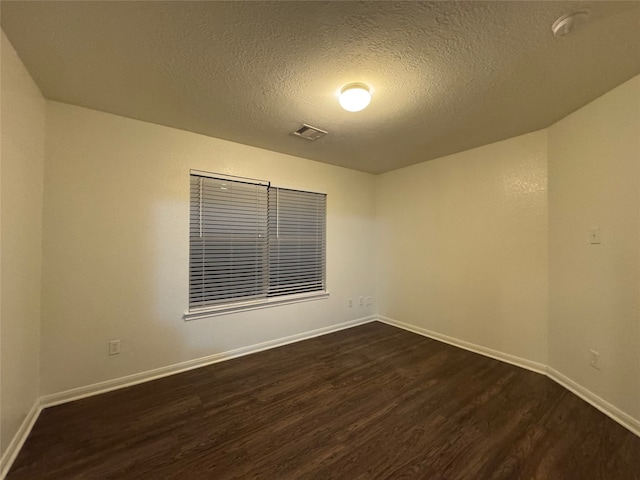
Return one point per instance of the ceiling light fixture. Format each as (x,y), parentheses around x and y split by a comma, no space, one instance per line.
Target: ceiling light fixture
(354,97)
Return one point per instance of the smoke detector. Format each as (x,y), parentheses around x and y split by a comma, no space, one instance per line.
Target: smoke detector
(566,23)
(309,133)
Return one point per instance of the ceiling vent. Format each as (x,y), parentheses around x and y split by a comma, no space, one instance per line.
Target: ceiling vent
(309,132)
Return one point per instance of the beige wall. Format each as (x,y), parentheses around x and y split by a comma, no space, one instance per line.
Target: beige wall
(594,181)
(462,246)
(116,246)
(472,246)
(21,172)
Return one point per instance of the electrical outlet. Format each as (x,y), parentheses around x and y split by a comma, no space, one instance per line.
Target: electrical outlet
(594,359)
(369,300)
(114,347)
(361,301)
(350,302)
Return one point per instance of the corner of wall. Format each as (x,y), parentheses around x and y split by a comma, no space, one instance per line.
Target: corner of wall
(21,177)
(594,300)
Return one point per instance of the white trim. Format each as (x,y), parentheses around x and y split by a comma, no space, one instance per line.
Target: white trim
(142,377)
(253,305)
(123,382)
(19,438)
(630,423)
(472,347)
(588,396)
(21,435)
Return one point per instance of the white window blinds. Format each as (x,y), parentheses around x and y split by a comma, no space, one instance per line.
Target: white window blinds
(250,242)
(296,241)
(228,241)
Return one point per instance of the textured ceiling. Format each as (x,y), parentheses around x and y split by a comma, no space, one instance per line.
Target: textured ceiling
(445,76)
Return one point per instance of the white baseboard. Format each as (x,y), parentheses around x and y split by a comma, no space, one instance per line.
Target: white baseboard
(21,435)
(472,347)
(19,438)
(591,398)
(102,387)
(613,412)
(142,377)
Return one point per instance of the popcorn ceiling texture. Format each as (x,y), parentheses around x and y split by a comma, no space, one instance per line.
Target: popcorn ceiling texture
(445,76)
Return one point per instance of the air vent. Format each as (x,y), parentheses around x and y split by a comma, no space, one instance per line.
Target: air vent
(309,132)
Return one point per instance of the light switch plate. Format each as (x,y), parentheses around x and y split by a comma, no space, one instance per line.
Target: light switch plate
(594,235)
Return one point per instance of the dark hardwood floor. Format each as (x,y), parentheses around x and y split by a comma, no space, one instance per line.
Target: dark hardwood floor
(369,402)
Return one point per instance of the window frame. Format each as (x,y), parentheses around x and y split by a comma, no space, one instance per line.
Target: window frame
(223,308)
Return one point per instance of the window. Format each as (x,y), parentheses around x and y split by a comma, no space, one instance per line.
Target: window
(252,244)
(227,241)
(296,241)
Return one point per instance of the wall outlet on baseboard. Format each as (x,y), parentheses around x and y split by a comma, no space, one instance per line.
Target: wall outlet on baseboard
(114,347)
(594,359)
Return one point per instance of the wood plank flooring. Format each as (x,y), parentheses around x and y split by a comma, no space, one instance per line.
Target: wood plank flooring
(369,402)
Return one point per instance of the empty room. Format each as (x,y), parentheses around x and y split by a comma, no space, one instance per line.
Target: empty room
(329,240)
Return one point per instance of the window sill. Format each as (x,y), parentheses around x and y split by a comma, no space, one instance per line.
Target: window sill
(253,305)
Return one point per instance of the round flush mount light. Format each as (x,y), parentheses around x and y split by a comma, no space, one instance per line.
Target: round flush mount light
(354,97)
(564,25)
